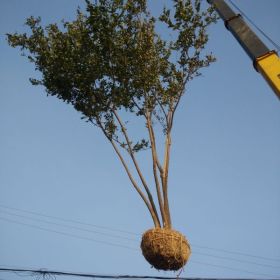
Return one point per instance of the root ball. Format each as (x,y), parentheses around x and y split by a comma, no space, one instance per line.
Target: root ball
(165,249)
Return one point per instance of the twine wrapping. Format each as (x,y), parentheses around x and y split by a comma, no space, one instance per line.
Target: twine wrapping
(165,249)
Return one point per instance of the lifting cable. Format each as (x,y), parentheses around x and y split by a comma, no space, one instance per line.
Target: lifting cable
(254,24)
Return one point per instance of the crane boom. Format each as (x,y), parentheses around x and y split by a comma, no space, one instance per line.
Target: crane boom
(265,61)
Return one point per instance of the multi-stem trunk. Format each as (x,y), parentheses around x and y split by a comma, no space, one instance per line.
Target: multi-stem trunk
(145,185)
(156,167)
(149,202)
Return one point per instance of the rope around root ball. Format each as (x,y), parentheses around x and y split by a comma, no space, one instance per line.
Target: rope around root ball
(165,249)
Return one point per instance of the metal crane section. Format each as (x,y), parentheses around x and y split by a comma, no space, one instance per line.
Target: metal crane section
(265,61)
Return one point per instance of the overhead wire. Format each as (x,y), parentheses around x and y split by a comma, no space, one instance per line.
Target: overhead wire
(255,25)
(68,220)
(237,253)
(240,270)
(236,260)
(132,239)
(71,227)
(131,248)
(101,276)
(68,234)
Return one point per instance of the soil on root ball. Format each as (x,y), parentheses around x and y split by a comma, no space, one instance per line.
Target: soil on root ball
(165,249)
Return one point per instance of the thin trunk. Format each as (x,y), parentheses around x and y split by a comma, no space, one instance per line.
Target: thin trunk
(181,92)
(131,153)
(151,210)
(155,161)
(166,170)
(165,180)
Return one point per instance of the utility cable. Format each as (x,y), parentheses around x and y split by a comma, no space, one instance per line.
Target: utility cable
(253,23)
(87,275)
(241,270)
(236,260)
(132,233)
(67,226)
(67,220)
(101,276)
(236,253)
(68,234)
(118,236)
(123,246)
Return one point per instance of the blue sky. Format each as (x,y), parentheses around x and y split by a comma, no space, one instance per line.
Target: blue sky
(224,173)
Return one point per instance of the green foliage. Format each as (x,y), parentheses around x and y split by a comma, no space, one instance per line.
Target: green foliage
(110,58)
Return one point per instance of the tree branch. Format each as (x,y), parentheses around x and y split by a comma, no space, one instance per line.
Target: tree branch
(151,210)
(131,153)
(155,162)
(152,135)
(166,170)
(179,98)
(156,154)
(162,108)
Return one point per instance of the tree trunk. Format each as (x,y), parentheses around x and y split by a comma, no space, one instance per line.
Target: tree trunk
(155,166)
(165,180)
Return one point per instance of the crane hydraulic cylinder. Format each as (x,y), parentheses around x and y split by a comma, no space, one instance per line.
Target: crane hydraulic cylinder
(265,61)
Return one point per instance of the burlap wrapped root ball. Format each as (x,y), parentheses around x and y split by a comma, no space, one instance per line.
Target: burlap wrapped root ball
(165,249)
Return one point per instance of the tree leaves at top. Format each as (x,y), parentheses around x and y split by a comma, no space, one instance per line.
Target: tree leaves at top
(111,58)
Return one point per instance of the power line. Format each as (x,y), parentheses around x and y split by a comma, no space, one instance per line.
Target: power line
(130,248)
(117,236)
(87,275)
(236,253)
(126,232)
(233,269)
(68,220)
(103,276)
(236,260)
(67,226)
(68,234)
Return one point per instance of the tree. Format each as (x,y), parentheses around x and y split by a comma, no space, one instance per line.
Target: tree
(110,62)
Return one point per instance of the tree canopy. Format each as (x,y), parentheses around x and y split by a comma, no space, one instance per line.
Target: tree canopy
(111,59)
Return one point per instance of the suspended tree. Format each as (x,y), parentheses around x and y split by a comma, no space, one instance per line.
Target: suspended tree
(111,62)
